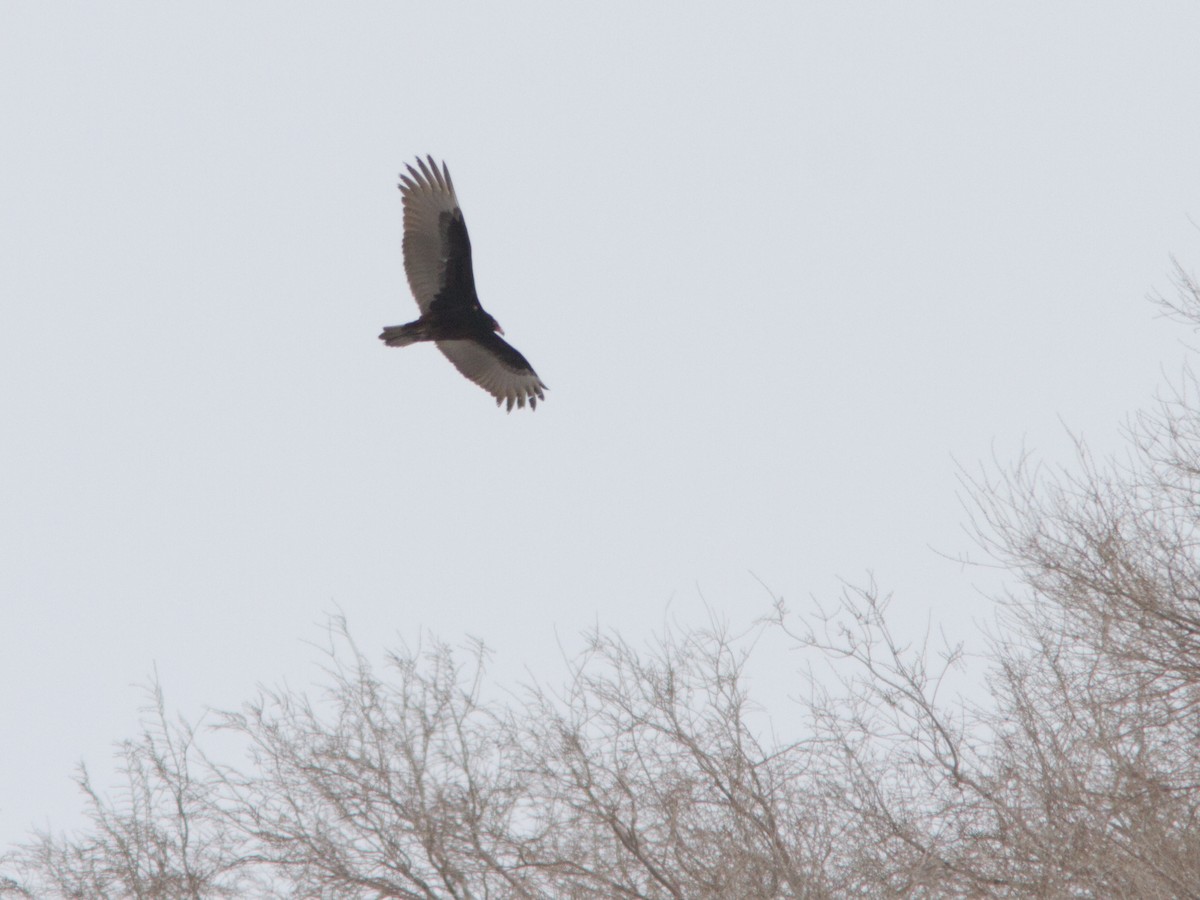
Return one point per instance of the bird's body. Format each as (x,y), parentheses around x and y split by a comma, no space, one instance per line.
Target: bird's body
(437,261)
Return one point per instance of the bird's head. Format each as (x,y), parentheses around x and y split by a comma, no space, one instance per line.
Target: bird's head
(481,313)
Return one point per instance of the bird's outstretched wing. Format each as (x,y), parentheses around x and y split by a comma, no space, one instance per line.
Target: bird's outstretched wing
(498,368)
(437,250)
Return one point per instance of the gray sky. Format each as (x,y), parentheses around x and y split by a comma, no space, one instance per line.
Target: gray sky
(780,265)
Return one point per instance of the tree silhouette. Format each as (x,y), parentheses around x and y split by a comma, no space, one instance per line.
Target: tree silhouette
(649,772)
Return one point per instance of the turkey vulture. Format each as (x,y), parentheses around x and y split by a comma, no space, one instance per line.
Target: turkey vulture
(437,260)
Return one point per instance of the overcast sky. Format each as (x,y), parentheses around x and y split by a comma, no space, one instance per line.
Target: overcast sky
(780,264)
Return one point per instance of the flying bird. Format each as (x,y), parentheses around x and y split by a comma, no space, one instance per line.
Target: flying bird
(437,261)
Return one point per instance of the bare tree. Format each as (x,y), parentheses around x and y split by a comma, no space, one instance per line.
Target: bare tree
(409,787)
(642,779)
(1081,776)
(657,784)
(162,836)
(651,773)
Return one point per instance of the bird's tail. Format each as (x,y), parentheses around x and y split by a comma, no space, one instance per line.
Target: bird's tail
(403,335)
